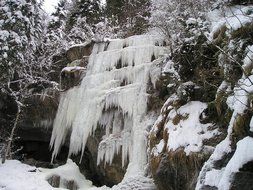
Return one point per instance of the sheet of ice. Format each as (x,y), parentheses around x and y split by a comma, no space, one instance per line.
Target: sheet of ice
(117,76)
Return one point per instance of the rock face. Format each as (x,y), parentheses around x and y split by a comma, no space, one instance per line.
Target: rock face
(216,163)
(178,168)
(79,51)
(8,109)
(175,170)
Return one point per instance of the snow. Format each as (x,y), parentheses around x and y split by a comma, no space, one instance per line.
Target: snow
(242,155)
(75,68)
(67,172)
(188,133)
(233,18)
(15,176)
(49,5)
(223,88)
(251,124)
(238,102)
(113,95)
(158,148)
(248,60)
(213,177)
(169,68)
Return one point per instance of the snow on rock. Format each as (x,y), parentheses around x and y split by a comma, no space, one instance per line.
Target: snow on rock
(15,176)
(242,155)
(213,177)
(67,173)
(238,102)
(251,124)
(185,129)
(169,68)
(222,178)
(248,61)
(233,18)
(158,148)
(72,69)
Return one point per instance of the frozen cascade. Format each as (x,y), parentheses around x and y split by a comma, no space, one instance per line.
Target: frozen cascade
(111,95)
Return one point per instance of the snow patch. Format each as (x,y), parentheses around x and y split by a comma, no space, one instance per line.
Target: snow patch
(67,172)
(242,155)
(15,176)
(187,132)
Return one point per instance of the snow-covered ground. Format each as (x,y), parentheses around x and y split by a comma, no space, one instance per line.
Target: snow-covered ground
(15,175)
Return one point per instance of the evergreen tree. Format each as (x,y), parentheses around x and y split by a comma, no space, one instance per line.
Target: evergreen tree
(21,29)
(20,35)
(58,18)
(131,16)
(88,10)
(114,9)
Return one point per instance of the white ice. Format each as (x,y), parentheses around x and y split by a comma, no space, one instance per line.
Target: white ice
(112,95)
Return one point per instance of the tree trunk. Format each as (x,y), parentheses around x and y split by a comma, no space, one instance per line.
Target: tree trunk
(7,153)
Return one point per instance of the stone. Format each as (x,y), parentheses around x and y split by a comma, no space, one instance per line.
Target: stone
(242,181)
(78,51)
(176,171)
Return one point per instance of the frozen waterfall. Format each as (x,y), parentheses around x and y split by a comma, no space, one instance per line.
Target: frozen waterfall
(112,95)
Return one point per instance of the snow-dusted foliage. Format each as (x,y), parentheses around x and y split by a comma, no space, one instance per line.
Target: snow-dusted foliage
(176,18)
(112,95)
(231,17)
(20,34)
(127,17)
(80,32)
(82,19)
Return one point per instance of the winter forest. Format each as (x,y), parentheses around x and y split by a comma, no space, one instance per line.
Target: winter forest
(126,95)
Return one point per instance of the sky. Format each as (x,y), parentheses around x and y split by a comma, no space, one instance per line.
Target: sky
(49,5)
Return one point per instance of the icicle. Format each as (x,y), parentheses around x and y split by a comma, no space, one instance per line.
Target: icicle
(112,95)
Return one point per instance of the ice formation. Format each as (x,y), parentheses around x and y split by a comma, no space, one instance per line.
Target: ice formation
(111,95)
